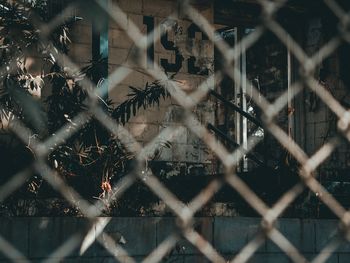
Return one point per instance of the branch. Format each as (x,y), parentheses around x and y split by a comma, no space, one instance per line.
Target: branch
(147,97)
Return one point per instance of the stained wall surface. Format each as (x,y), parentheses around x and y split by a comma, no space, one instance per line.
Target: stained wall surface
(191,65)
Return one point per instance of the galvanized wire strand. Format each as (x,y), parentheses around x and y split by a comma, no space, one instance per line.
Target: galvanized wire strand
(185,212)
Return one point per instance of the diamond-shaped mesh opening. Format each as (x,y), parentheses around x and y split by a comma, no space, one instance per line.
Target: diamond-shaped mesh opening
(230,128)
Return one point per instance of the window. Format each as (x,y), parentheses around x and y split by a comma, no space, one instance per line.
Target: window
(267,65)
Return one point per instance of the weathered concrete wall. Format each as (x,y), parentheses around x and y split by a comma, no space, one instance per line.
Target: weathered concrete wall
(148,15)
(39,237)
(320,122)
(317,113)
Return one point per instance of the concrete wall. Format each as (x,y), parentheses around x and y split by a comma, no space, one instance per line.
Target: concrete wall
(320,123)
(149,123)
(37,238)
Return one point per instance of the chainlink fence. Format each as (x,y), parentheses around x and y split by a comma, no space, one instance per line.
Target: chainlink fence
(185,212)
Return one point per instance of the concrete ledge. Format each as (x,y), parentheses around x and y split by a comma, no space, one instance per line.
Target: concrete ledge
(37,238)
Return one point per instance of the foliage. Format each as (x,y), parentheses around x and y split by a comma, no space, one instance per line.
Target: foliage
(92,159)
(149,96)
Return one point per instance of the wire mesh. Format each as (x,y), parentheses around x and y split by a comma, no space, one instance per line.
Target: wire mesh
(185,212)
